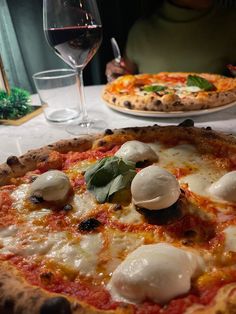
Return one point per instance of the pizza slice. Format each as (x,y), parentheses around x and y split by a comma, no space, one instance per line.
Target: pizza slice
(167,92)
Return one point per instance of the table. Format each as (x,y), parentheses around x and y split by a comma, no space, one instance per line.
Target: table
(37,132)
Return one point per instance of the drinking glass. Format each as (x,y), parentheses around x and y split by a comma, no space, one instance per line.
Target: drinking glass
(73,29)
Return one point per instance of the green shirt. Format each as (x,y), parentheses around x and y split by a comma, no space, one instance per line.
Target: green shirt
(177,39)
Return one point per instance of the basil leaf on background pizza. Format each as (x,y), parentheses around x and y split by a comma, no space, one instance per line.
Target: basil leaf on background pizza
(108,176)
(154,88)
(194,80)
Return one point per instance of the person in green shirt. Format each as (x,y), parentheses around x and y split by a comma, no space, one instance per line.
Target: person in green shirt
(181,35)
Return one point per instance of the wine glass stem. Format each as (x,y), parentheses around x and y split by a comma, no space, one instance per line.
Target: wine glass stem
(83,110)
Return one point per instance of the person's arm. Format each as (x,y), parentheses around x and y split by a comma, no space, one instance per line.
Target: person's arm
(114,69)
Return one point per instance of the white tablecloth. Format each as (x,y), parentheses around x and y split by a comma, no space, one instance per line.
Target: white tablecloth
(15,140)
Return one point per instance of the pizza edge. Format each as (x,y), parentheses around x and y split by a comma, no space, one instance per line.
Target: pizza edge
(14,299)
(205,137)
(172,102)
(17,296)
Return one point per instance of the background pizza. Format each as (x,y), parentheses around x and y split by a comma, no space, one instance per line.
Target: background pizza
(131,221)
(168,91)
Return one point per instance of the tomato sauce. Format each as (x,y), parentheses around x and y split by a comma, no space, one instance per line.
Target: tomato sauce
(101,152)
(8,215)
(99,297)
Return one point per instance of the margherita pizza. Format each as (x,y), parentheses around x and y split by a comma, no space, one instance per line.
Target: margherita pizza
(168,91)
(137,220)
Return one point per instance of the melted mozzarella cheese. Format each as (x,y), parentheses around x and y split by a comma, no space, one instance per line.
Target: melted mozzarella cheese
(128,215)
(83,204)
(52,185)
(77,255)
(158,272)
(37,214)
(225,187)
(230,238)
(19,196)
(8,231)
(179,155)
(188,89)
(136,151)
(154,188)
(204,181)
(37,242)
(120,245)
(7,238)
(197,183)
(81,256)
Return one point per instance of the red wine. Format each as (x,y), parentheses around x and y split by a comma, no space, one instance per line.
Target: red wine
(76,45)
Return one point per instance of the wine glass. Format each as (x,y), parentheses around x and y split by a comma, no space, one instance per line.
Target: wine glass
(73,29)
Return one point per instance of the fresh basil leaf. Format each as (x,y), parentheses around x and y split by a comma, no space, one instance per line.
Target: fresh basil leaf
(91,172)
(109,175)
(101,193)
(194,80)
(121,182)
(154,88)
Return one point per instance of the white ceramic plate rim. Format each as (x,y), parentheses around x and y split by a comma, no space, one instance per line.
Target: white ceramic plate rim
(171,114)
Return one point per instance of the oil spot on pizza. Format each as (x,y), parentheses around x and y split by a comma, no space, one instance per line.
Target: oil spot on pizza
(90,224)
(56,305)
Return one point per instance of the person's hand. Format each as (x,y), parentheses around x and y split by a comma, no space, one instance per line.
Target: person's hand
(115,69)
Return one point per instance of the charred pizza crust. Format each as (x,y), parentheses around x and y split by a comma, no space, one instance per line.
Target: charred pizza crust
(207,140)
(121,93)
(19,297)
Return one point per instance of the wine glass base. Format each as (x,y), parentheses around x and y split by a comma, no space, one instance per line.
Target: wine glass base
(87,127)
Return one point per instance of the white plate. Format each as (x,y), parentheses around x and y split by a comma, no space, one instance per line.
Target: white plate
(171,114)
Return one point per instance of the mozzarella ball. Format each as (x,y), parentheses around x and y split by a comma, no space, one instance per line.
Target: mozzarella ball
(136,151)
(52,185)
(154,188)
(158,272)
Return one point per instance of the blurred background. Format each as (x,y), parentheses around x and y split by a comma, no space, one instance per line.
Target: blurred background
(24,50)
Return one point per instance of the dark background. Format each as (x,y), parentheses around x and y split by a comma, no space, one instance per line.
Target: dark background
(117,17)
